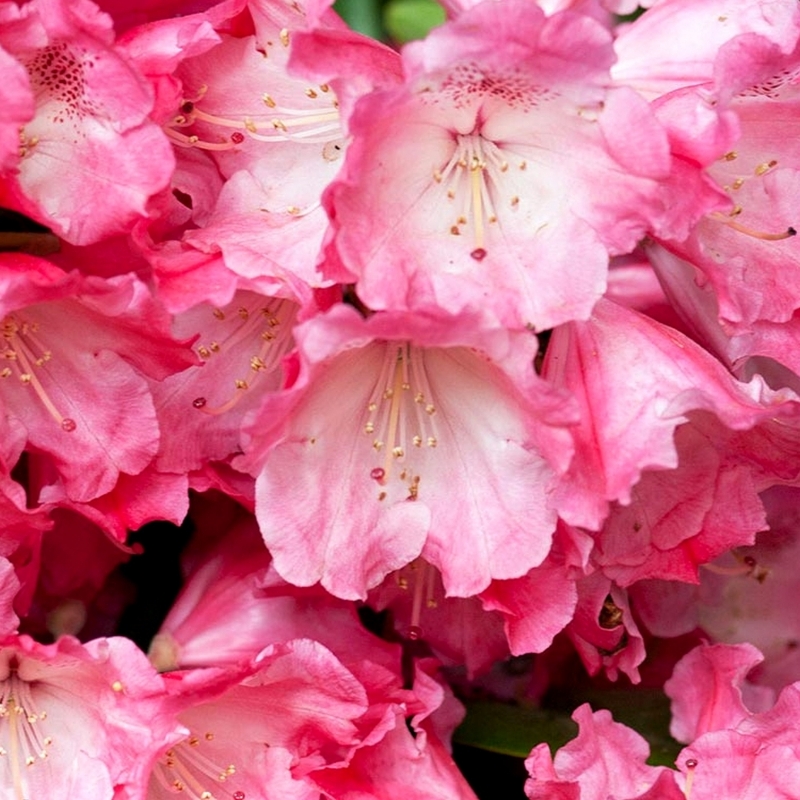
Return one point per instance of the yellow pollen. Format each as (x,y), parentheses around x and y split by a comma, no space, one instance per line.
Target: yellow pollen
(117,686)
(765,167)
(311,93)
(732,155)
(284,37)
(268,101)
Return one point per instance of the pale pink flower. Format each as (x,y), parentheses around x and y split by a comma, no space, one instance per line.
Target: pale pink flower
(255,145)
(240,348)
(746,595)
(233,604)
(290,710)
(676,43)
(78,720)
(462,187)
(391,419)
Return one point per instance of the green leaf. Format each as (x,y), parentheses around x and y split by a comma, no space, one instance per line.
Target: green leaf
(406,20)
(363,16)
(513,730)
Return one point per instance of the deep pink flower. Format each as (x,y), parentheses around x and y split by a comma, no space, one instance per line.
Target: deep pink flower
(90,136)
(75,350)
(290,709)
(605,762)
(658,376)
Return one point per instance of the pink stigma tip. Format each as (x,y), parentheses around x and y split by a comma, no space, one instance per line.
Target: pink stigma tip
(377,474)
(68,424)
(199,402)
(478,254)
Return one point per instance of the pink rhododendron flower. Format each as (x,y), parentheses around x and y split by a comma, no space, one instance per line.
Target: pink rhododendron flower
(422,412)
(74,349)
(90,134)
(457,629)
(255,145)
(291,709)
(605,762)
(487,161)
(675,44)
(240,349)
(78,720)
(233,604)
(745,595)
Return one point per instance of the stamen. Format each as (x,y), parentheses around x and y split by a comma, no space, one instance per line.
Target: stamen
(272,331)
(399,417)
(691,766)
(185,770)
(26,743)
(473,175)
(306,125)
(20,346)
(763,235)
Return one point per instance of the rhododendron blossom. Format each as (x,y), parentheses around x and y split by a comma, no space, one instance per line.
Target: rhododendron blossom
(462,187)
(420,416)
(399,400)
(90,134)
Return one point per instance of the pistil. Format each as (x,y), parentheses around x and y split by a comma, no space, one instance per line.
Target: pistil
(472,179)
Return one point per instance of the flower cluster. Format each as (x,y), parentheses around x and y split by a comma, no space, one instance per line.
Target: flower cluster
(496,335)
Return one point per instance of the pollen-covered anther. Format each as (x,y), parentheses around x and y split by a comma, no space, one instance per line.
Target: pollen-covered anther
(268,331)
(195,127)
(21,345)
(23,742)
(189,769)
